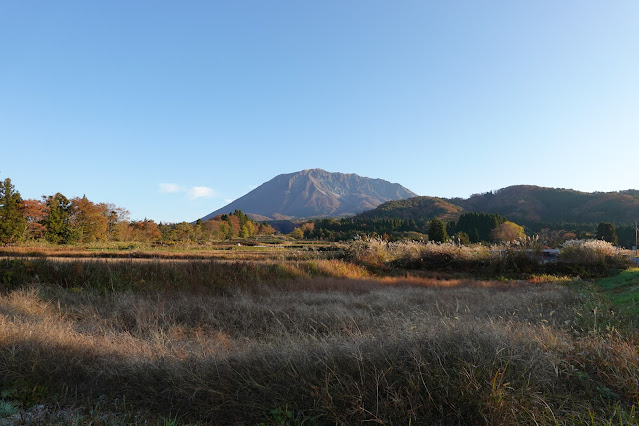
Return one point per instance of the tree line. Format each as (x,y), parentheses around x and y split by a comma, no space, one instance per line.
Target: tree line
(332,229)
(60,220)
(471,227)
(555,233)
(222,227)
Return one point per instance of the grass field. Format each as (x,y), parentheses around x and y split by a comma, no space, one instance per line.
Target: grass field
(313,340)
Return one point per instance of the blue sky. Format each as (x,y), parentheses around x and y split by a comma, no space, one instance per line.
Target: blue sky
(172,109)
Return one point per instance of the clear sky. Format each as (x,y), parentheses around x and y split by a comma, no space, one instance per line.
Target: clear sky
(172,109)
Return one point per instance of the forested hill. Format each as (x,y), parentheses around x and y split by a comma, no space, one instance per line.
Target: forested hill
(523,204)
(526,203)
(416,208)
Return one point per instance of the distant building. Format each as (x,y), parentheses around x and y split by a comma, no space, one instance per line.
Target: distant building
(549,255)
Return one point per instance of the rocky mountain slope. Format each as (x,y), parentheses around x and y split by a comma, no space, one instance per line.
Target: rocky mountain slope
(315,193)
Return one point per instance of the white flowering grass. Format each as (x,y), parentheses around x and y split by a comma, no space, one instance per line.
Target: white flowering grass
(515,256)
(376,250)
(586,251)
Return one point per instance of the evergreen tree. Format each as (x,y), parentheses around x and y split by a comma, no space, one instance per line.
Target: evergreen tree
(626,235)
(461,238)
(12,222)
(58,220)
(437,231)
(606,231)
(478,225)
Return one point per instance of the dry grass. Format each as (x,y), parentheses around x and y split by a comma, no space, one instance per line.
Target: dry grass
(297,337)
(145,275)
(250,251)
(321,350)
(521,259)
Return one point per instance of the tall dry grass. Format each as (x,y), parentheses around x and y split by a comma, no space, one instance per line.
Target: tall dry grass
(243,250)
(210,276)
(520,259)
(321,351)
(580,251)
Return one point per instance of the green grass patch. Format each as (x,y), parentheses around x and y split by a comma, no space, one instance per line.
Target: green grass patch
(623,291)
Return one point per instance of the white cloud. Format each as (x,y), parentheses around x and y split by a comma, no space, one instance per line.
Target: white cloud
(228,200)
(170,187)
(200,192)
(192,193)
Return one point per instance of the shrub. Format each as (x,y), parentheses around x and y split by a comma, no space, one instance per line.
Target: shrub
(591,257)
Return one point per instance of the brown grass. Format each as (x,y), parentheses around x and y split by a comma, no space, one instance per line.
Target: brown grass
(144,275)
(297,337)
(321,350)
(251,250)
(586,259)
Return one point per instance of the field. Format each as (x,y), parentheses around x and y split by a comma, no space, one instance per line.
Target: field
(295,334)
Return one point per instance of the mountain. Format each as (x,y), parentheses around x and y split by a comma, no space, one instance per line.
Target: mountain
(314,193)
(523,204)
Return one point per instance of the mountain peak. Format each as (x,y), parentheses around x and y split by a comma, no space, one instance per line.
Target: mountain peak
(315,193)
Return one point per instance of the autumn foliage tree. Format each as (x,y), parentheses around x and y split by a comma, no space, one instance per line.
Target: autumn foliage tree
(117,221)
(34,212)
(60,220)
(507,232)
(89,220)
(145,231)
(297,233)
(222,227)
(64,221)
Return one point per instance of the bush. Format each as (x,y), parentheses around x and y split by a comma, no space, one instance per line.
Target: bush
(585,251)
